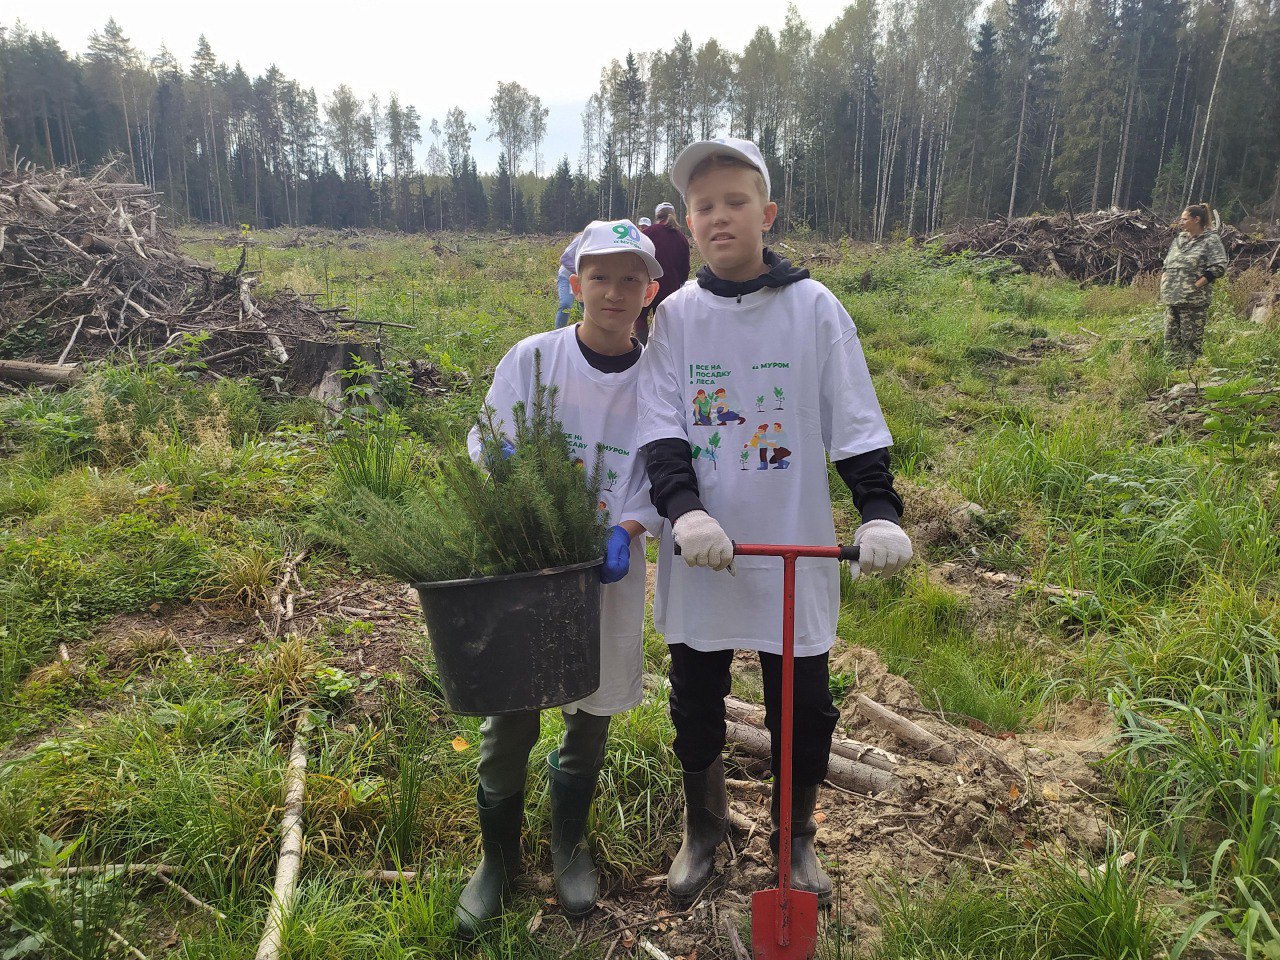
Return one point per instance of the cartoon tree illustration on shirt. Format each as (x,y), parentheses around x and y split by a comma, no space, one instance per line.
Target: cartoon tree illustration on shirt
(712,446)
(612,477)
(760,404)
(745,457)
(777,392)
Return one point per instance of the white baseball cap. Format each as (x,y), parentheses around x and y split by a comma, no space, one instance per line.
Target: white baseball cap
(695,153)
(663,207)
(616,236)
(646,222)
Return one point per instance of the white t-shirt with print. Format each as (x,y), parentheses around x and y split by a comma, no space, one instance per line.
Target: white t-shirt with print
(764,388)
(594,408)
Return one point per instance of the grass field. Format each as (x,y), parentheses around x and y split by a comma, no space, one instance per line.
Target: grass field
(1095,528)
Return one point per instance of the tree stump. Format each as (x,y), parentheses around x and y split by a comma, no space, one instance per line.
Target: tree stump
(316,368)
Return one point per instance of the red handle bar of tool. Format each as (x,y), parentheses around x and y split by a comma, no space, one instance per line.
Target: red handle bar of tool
(837,552)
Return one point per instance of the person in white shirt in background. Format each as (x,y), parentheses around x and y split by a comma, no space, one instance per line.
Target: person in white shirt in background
(563,289)
(752,325)
(593,366)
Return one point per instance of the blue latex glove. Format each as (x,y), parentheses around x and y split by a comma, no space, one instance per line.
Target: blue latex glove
(508,450)
(617,556)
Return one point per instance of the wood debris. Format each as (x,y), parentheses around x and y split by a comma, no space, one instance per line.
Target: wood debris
(89,268)
(1108,246)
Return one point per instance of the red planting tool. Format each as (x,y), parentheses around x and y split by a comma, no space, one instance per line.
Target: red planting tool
(784,922)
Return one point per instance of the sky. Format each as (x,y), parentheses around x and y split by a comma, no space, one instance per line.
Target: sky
(435,55)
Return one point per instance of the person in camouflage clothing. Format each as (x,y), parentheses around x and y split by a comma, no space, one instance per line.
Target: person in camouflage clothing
(1195,260)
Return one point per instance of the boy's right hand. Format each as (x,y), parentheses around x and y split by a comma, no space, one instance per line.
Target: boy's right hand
(702,541)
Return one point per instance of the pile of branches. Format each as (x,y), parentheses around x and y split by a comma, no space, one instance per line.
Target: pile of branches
(88,268)
(1109,246)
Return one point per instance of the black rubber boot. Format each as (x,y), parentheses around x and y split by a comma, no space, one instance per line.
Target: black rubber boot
(576,876)
(706,821)
(806,871)
(481,899)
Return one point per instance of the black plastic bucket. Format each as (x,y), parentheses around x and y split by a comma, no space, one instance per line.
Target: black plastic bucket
(525,641)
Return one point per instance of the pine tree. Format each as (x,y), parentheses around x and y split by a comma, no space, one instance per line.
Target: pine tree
(500,211)
(556,205)
(975,147)
(1026,43)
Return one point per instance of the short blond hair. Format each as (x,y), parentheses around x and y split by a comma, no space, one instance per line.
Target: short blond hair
(721,160)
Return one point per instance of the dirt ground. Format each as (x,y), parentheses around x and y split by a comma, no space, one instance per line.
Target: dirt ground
(1003,793)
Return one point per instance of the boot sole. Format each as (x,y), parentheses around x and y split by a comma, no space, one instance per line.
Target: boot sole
(466,927)
(579,913)
(683,900)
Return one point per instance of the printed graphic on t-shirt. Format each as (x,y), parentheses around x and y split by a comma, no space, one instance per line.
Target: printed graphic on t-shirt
(716,405)
(778,394)
(722,410)
(770,442)
(714,409)
(706,374)
(710,452)
(576,447)
(701,409)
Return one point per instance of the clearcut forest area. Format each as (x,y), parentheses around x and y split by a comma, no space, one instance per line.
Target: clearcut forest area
(1088,638)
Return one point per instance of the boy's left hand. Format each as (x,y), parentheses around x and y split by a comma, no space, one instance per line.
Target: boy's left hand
(617,556)
(885,547)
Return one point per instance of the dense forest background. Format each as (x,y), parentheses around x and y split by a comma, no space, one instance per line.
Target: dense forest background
(900,116)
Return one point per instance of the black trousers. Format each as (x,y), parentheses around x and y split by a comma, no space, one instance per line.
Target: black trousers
(699,684)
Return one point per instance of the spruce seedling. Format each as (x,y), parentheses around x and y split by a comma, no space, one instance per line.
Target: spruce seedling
(528,508)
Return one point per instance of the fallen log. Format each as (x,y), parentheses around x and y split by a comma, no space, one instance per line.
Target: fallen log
(25,371)
(907,731)
(290,862)
(855,750)
(38,201)
(850,774)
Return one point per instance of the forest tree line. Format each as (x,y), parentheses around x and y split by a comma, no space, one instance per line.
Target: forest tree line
(902,115)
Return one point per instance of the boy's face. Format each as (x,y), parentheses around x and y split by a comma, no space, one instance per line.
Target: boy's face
(728,219)
(613,288)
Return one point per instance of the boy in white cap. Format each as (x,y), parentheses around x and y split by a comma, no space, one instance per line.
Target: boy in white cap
(593,367)
(754,325)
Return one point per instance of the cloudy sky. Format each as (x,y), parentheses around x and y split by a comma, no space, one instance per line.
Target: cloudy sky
(433,54)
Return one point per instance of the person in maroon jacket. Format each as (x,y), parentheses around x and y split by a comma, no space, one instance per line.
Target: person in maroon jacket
(673,253)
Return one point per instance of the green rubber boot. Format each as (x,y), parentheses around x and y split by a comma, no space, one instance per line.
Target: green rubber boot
(500,825)
(806,870)
(576,876)
(706,822)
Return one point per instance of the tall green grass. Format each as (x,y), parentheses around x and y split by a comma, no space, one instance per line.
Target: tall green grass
(1206,774)
(925,633)
(144,486)
(1058,909)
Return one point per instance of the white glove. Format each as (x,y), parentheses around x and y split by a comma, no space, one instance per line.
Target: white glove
(702,541)
(885,547)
